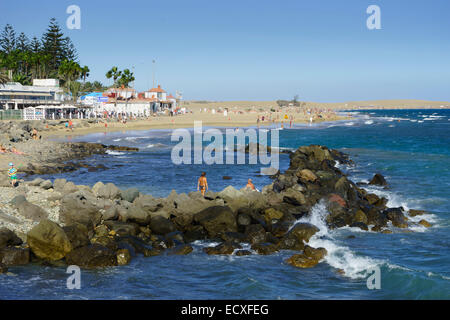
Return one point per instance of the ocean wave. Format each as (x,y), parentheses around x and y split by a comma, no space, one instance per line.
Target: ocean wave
(369,122)
(338,256)
(155,145)
(115,153)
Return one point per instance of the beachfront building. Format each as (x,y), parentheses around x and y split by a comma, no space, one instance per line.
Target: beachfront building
(16,96)
(121,93)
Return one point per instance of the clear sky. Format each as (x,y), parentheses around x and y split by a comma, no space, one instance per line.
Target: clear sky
(258,49)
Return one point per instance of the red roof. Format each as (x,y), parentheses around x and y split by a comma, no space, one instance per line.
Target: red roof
(157,89)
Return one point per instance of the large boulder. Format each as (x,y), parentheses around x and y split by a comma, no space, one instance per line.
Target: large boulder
(92,256)
(31,211)
(255,233)
(303,231)
(396,216)
(306,175)
(48,241)
(135,214)
(217,220)
(223,248)
(161,225)
(309,258)
(79,207)
(108,191)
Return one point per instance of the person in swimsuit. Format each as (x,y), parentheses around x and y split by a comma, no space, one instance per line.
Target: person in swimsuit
(202,184)
(12,173)
(250,185)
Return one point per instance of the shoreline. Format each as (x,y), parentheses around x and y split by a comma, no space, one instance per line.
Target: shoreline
(58,223)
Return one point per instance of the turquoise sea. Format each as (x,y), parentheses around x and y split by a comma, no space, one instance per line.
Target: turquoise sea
(411,148)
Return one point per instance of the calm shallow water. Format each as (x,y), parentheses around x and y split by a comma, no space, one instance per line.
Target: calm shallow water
(410,147)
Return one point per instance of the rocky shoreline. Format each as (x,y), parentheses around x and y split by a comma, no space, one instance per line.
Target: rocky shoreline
(60,223)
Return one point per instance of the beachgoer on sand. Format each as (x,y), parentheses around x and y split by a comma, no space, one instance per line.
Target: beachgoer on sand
(15,151)
(2,149)
(12,173)
(202,184)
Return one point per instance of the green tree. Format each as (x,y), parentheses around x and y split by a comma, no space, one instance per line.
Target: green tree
(85,73)
(126,78)
(114,73)
(22,42)
(8,39)
(53,43)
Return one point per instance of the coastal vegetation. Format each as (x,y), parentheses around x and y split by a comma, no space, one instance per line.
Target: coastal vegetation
(53,55)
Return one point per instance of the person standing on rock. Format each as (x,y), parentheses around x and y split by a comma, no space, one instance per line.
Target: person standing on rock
(12,173)
(202,184)
(250,185)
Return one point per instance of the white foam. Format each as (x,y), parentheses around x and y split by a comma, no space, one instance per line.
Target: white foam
(368,122)
(115,153)
(339,256)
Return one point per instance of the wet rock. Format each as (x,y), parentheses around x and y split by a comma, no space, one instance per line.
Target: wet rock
(360,225)
(92,256)
(12,256)
(236,237)
(195,233)
(223,248)
(396,216)
(360,216)
(48,241)
(413,212)
(280,228)
(123,257)
(378,180)
(308,259)
(303,231)
(183,249)
(217,220)
(315,253)
(425,223)
(3,268)
(265,248)
(243,219)
(255,233)
(243,253)
(290,243)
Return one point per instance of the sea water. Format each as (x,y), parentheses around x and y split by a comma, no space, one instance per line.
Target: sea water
(411,148)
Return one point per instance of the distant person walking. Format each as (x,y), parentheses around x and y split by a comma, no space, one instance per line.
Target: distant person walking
(202,184)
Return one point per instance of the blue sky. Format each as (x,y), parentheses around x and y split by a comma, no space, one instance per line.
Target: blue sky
(259,50)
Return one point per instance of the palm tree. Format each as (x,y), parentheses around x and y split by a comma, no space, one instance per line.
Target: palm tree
(69,71)
(114,73)
(3,79)
(85,73)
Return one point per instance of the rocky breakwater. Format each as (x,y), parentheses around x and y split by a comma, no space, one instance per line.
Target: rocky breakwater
(62,223)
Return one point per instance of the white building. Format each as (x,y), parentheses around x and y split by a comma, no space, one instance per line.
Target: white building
(156,93)
(13,95)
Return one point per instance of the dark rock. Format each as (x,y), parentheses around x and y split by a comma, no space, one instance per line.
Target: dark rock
(223,248)
(217,220)
(243,253)
(12,256)
(92,256)
(77,234)
(360,225)
(8,238)
(195,233)
(161,225)
(378,180)
(3,268)
(397,217)
(303,231)
(264,248)
(122,228)
(123,257)
(255,233)
(181,250)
